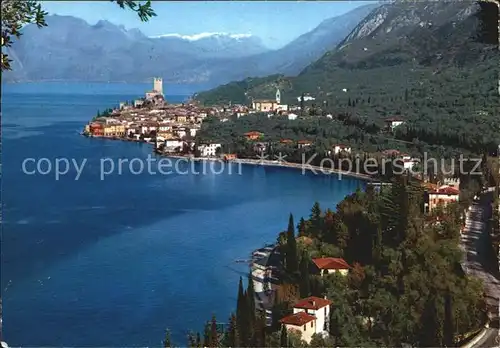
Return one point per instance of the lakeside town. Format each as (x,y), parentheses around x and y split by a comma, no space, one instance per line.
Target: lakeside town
(172,128)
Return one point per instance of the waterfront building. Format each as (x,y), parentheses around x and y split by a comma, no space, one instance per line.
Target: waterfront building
(330,265)
(96,129)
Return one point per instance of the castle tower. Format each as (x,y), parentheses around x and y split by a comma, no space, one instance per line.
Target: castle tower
(278,97)
(158,85)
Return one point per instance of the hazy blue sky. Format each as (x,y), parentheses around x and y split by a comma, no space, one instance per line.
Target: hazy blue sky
(275,22)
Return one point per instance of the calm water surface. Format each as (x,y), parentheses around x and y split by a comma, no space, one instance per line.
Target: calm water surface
(114,262)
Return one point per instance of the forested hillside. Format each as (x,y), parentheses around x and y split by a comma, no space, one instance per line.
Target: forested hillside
(439,78)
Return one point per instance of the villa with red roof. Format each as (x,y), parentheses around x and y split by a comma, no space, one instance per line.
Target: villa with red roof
(310,316)
(443,196)
(329,265)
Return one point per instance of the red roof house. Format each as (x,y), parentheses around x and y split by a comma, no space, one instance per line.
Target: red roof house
(328,265)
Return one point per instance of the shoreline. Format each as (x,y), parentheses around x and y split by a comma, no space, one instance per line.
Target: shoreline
(269,163)
(250,161)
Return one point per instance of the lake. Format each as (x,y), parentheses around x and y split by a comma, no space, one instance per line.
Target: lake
(115,262)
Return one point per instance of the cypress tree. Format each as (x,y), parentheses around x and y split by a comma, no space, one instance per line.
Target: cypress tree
(239,302)
(214,335)
(448,331)
(284,337)
(166,341)
(232,339)
(291,250)
(198,340)
(305,285)
(206,335)
(250,297)
(191,340)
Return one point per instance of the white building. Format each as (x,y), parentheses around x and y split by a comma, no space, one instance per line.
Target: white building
(208,150)
(310,316)
(392,123)
(306,98)
(292,116)
(408,164)
(341,148)
(173,143)
(193,131)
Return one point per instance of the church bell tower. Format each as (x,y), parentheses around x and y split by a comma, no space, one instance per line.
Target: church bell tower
(278,97)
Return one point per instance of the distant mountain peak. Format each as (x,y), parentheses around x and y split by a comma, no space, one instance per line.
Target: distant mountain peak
(201,36)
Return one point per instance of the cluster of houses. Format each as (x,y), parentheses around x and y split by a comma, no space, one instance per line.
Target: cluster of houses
(310,315)
(152,119)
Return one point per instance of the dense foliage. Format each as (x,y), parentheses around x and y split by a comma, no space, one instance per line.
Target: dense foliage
(441,81)
(406,284)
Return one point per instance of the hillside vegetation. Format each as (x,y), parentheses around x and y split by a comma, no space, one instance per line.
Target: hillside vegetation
(436,77)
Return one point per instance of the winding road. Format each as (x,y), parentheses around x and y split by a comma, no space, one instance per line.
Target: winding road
(478,262)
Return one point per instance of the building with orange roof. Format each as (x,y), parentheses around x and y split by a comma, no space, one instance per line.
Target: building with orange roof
(329,265)
(441,196)
(253,135)
(310,316)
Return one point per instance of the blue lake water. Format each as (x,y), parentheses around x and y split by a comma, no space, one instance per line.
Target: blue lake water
(114,262)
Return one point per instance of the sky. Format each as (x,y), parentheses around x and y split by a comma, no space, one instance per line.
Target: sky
(275,22)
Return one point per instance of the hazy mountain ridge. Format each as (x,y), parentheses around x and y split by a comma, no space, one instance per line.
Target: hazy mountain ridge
(69,49)
(396,38)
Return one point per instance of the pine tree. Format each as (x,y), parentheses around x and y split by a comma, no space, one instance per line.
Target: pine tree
(302,227)
(316,220)
(291,249)
(284,337)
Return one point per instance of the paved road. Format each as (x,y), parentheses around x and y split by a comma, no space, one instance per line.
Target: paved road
(478,263)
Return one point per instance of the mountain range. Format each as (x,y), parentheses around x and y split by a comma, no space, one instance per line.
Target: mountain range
(70,49)
(399,38)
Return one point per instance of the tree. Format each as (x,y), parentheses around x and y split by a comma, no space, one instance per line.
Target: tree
(305,285)
(232,337)
(284,337)
(292,262)
(166,341)
(16,14)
